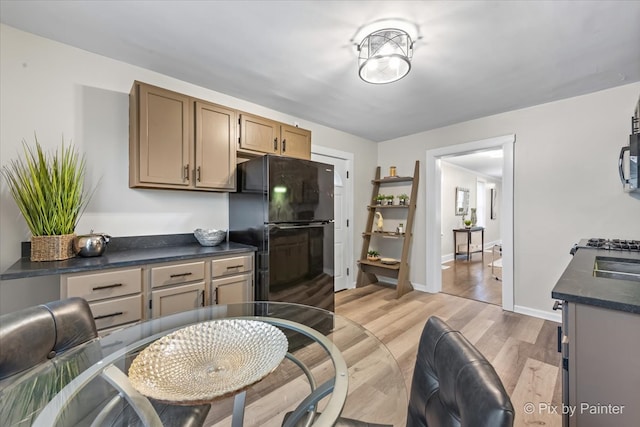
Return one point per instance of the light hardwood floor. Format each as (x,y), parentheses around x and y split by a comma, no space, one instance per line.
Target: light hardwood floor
(472,279)
(521,348)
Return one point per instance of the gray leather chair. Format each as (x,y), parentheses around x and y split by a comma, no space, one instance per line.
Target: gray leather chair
(37,340)
(454,385)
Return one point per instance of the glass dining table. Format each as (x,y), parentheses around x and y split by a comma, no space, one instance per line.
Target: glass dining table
(255,363)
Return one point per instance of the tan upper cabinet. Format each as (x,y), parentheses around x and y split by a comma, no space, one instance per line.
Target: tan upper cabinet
(258,134)
(296,142)
(160,139)
(179,142)
(215,157)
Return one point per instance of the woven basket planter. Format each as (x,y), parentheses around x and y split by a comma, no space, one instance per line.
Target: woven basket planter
(52,248)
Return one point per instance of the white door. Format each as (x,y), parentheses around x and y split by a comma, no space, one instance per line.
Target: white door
(342,247)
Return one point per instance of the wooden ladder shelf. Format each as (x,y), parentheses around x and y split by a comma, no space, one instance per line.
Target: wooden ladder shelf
(369,270)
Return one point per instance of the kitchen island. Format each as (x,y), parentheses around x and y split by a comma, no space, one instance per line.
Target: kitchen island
(600,338)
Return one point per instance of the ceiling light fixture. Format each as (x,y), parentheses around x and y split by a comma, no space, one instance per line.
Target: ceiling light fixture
(384,56)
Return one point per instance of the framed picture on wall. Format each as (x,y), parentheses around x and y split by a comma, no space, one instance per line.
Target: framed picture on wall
(494,209)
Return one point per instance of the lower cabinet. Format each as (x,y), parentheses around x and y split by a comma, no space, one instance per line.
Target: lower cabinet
(234,289)
(604,368)
(115,296)
(176,287)
(120,297)
(232,279)
(176,299)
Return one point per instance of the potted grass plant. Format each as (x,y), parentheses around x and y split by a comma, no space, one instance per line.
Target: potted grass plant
(48,189)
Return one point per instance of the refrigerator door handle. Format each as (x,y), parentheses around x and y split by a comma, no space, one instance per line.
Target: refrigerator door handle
(293,227)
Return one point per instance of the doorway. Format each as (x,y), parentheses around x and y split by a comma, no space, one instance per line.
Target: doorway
(471,275)
(505,210)
(343,212)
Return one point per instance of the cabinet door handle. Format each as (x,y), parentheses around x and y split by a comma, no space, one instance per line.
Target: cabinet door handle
(173,276)
(104,316)
(198,174)
(185,176)
(201,298)
(115,285)
(284,145)
(235,266)
(275,144)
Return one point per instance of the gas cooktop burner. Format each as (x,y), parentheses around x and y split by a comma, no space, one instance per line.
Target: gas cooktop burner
(614,244)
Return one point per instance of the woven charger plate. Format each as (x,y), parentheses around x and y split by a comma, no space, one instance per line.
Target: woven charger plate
(208,360)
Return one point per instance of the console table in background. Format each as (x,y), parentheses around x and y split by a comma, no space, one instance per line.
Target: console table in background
(469,233)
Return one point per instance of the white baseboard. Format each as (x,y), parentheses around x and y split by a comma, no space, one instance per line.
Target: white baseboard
(490,245)
(447,258)
(542,314)
(420,287)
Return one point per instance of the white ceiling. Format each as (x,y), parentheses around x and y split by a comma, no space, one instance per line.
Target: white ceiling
(472,58)
(484,162)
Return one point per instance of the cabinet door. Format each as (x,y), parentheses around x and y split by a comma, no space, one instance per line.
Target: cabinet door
(161,137)
(259,134)
(296,142)
(177,299)
(230,290)
(215,147)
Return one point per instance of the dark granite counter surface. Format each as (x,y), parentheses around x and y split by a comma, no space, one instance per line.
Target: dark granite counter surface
(578,284)
(125,252)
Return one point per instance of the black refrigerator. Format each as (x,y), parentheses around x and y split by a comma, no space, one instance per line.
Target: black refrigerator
(284,207)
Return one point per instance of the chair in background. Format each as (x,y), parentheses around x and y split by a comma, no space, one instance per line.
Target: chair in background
(454,385)
(57,341)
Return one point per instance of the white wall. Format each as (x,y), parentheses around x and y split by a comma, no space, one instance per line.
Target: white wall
(53,90)
(566,182)
(454,176)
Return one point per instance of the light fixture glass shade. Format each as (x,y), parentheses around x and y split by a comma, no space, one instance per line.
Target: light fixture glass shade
(384,56)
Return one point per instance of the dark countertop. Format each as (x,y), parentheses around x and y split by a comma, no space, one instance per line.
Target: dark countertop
(578,284)
(125,252)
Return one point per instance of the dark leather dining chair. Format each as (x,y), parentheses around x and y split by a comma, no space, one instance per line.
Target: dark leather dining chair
(454,385)
(40,338)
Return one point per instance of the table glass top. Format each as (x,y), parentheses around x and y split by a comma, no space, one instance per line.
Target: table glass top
(376,388)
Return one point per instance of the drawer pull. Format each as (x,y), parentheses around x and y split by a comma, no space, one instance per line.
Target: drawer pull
(115,285)
(173,276)
(235,266)
(104,316)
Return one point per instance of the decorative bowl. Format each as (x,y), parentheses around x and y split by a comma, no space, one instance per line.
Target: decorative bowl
(204,361)
(210,236)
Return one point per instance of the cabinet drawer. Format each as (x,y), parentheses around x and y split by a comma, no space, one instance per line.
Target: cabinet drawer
(225,266)
(118,311)
(177,273)
(105,285)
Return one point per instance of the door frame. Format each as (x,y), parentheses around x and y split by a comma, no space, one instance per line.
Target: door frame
(433,211)
(348,196)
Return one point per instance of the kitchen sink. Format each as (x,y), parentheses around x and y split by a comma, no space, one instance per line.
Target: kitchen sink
(617,268)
